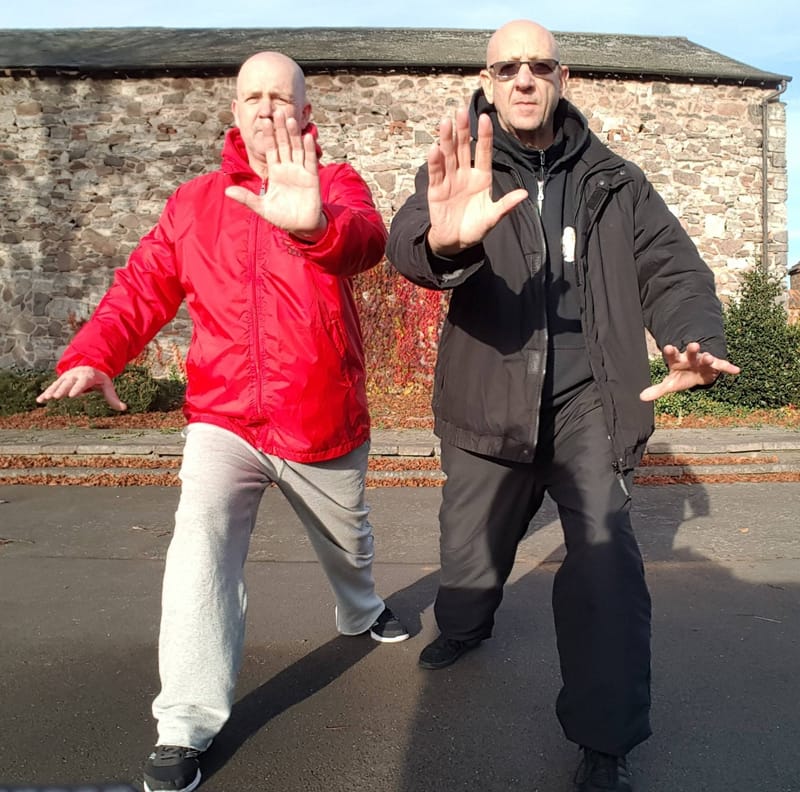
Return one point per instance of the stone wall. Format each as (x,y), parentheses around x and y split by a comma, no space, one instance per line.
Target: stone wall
(88,163)
(793,296)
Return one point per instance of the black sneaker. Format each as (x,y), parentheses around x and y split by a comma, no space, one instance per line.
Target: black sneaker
(600,772)
(171,768)
(444,652)
(388,628)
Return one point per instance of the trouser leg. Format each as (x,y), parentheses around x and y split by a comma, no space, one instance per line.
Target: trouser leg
(486,507)
(600,598)
(328,497)
(204,598)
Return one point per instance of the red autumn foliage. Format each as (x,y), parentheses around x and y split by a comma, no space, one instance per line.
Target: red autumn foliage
(401,324)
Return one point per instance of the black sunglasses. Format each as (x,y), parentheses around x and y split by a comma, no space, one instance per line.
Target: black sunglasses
(508,70)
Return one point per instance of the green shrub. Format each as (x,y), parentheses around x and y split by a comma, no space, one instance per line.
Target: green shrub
(90,404)
(169,396)
(135,386)
(19,389)
(698,402)
(763,344)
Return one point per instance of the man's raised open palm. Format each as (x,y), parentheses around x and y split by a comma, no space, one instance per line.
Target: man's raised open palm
(292,200)
(460,201)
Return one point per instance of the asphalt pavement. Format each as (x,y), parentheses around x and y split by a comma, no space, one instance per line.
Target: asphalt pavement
(80,572)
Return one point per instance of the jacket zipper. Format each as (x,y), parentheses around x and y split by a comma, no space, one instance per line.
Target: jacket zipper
(540,180)
(538,229)
(256,220)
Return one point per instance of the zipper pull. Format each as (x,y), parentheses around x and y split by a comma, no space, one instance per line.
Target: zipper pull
(621,479)
(540,180)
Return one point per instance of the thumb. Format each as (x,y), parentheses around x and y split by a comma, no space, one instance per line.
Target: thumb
(509,201)
(110,395)
(243,196)
(653,392)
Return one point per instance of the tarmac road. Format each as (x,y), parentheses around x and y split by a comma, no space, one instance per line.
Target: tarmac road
(80,572)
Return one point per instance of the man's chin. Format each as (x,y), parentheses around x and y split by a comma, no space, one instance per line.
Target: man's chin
(527,122)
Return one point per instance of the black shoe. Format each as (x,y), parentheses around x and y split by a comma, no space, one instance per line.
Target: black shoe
(445,651)
(171,768)
(388,628)
(599,772)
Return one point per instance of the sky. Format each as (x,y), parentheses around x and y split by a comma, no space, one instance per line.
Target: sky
(766,36)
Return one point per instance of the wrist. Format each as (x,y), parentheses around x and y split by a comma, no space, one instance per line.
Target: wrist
(314,234)
(439,248)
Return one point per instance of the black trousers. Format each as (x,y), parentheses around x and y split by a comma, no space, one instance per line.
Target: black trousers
(601,603)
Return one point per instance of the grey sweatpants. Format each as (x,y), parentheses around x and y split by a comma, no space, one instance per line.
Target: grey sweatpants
(204,598)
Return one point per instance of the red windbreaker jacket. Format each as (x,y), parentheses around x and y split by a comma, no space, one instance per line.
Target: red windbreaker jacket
(276,353)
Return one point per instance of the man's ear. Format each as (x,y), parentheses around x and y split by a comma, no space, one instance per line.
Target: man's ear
(563,79)
(487,83)
(305,117)
(235,114)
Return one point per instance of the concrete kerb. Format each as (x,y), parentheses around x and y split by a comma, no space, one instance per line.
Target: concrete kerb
(400,455)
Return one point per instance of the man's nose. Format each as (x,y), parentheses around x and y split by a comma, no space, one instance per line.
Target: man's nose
(265,108)
(524,78)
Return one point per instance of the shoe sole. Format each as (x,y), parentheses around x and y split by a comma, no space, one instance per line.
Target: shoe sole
(384,639)
(193,785)
(431,666)
(428,666)
(372,634)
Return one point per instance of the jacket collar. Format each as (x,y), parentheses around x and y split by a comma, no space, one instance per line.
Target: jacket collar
(234,153)
(571,132)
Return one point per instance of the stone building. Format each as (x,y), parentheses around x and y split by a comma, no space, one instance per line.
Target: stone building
(793,297)
(97,127)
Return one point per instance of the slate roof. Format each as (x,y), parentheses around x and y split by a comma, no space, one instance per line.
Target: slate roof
(134,51)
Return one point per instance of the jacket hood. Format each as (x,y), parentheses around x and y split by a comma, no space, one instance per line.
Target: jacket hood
(234,153)
(572,133)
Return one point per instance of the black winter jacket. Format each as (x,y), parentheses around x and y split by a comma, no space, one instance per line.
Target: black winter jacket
(636,269)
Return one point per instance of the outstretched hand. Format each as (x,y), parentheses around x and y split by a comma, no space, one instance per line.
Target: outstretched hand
(79,380)
(460,201)
(687,370)
(292,200)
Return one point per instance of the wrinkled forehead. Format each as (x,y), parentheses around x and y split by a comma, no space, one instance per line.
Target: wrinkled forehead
(273,72)
(521,41)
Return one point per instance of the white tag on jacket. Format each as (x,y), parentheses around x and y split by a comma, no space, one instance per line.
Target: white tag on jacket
(568,245)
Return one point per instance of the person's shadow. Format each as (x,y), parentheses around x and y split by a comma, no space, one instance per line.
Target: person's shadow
(722,674)
(307,676)
(488,723)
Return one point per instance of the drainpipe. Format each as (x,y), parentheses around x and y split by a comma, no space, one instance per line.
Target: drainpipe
(764,169)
